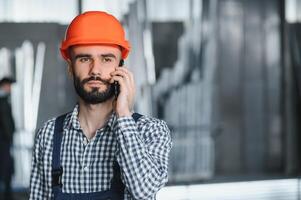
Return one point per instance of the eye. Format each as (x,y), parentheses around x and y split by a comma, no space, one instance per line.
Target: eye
(106,60)
(84,59)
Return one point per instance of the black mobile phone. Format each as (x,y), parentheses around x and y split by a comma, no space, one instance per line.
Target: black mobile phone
(116,85)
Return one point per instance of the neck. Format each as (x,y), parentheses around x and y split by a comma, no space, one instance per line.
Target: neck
(94,116)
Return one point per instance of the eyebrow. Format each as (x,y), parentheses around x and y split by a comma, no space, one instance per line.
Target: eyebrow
(82,56)
(110,55)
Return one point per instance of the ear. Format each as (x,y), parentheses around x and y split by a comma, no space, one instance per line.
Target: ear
(70,69)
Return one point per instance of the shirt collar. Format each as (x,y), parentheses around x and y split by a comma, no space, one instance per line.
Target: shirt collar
(112,121)
(74,118)
(76,125)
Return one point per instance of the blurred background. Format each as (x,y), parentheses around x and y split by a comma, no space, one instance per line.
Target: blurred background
(224,75)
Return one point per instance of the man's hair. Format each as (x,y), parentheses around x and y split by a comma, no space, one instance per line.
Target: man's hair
(6,80)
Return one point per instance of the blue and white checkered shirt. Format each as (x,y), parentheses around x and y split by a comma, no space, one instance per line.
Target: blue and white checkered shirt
(141,149)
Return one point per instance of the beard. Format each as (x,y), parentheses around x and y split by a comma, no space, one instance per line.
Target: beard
(94,96)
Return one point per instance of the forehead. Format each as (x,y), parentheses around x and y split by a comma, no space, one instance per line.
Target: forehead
(97,49)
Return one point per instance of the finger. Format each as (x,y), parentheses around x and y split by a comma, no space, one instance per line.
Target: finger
(119,80)
(118,73)
(124,75)
(124,85)
(127,71)
(128,76)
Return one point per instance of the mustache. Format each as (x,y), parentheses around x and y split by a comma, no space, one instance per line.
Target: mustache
(96,78)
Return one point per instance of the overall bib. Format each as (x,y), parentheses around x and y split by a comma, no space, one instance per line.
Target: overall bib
(116,191)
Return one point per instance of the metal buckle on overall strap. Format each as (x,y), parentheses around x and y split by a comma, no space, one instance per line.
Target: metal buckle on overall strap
(57,177)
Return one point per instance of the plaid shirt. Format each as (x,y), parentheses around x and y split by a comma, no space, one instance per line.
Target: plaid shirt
(141,149)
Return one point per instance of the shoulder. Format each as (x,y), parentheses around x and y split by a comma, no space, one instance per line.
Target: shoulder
(45,132)
(153,128)
(47,129)
(151,122)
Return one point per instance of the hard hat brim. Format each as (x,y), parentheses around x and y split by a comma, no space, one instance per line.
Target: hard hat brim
(67,44)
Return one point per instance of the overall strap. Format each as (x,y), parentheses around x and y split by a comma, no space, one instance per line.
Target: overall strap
(57,170)
(116,184)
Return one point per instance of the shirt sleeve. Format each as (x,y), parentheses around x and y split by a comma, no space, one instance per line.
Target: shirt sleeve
(143,155)
(38,185)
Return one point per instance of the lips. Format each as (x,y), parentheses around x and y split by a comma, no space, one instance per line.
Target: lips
(95,83)
(99,82)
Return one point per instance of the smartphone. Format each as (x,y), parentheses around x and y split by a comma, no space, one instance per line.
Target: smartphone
(116,85)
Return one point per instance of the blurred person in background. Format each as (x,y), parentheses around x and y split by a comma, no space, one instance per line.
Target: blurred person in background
(7,128)
(102,149)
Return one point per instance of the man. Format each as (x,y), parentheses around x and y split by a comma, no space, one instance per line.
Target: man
(101,150)
(7,128)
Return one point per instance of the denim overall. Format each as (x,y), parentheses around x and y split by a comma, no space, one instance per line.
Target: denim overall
(116,191)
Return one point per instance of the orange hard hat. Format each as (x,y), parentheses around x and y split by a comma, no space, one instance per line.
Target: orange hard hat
(95,27)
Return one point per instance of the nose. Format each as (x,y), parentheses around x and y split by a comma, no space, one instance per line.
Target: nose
(95,69)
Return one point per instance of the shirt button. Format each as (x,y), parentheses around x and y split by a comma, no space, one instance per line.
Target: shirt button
(86,168)
(85,141)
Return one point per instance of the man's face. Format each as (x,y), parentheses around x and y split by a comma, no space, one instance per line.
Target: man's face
(6,87)
(91,66)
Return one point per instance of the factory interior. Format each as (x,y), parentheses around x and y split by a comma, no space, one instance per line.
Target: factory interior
(225,75)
